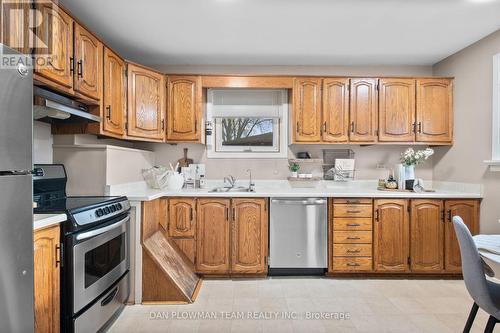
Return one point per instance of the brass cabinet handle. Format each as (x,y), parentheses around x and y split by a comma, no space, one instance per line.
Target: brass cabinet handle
(191,214)
(352,264)
(376,215)
(354,211)
(353,224)
(449,215)
(419,127)
(71,65)
(353,201)
(234,214)
(353,251)
(414,127)
(227,213)
(58,255)
(352,127)
(353,238)
(163,124)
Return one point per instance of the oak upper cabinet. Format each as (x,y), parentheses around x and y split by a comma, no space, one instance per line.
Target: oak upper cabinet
(88,63)
(434,110)
(181,217)
(397,110)
(55,38)
(184,116)
(47,279)
(335,110)
(390,236)
(115,100)
(426,235)
(468,210)
(249,236)
(363,110)
(15,32)
(307,110)
(213,236)
(146,104)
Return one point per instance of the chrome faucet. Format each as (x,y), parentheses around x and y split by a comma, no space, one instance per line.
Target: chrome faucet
(251,185)
(230,180)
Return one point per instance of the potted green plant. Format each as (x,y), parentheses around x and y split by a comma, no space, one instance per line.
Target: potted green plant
(294,167)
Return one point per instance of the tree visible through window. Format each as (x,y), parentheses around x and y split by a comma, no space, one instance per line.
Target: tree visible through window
(247,132)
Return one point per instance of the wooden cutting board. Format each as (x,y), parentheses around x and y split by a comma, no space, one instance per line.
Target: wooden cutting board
(185,161)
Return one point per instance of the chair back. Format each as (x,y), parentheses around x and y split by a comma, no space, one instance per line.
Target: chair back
(472,268)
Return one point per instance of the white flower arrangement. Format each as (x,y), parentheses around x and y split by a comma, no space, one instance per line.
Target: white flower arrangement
(411,157)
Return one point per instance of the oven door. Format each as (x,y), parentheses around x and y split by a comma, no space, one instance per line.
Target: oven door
(100,258)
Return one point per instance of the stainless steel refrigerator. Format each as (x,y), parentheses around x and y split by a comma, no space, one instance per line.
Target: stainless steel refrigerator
(16,197)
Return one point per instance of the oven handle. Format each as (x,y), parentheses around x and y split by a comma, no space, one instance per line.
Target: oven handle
(92,233)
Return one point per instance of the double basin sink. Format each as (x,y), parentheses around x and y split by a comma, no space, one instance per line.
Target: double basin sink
(230,189)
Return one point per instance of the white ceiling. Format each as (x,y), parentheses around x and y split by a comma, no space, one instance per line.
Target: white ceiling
(288,32)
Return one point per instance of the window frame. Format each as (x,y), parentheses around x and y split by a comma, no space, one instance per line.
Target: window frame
(282,126)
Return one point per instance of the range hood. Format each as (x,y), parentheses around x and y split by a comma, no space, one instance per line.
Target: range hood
(50,107)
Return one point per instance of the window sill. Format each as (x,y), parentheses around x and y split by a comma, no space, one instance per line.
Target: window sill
(493,164)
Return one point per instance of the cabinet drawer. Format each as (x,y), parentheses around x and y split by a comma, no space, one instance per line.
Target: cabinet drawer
(344,210)
(352,223)
(352,250)
(352,237)
(353,201)
(352,264)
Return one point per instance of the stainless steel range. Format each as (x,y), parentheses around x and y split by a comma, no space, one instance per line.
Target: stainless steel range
(95,269)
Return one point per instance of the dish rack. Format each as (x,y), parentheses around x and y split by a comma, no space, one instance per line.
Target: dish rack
(329,170)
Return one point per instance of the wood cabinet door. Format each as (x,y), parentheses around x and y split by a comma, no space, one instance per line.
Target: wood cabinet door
(47,279)
(426,235)
(181,217)
(335,110)
(88,62)
(396,110)
(184,108)
(15,32)
(146,104)
(115,105)
(391,235)
(307,110)
(249,236)
(468,210)
(434,110)
(213,236)
(55,36)
(363,110)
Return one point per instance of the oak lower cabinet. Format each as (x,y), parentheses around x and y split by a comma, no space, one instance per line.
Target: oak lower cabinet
(213,236)
(47,279)
(426,235)
(249,236)
(146,104)
(391,235)
(468,210)
(184,116)
(181,217)
(114,95)
(231,236)
(306,120)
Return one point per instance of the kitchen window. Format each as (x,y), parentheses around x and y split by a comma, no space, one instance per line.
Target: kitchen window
(247,123)
(494,163)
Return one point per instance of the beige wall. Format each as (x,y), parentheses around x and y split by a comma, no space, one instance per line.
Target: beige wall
(42,143)
(472,69)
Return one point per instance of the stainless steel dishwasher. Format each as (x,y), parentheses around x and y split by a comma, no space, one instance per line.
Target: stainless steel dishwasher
(298,236)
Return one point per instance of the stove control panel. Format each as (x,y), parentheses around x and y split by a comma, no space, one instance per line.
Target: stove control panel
(101,213)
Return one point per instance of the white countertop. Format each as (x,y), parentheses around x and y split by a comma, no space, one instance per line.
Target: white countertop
(281,188)
(46,220)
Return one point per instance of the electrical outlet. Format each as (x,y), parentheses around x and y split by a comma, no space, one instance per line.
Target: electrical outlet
(381,166)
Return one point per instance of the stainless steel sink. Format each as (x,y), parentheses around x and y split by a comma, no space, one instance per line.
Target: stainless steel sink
(230,189)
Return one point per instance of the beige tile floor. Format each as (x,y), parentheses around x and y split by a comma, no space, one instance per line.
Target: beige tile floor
(373,305)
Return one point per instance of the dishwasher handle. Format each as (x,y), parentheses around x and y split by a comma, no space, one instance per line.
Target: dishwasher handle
(299,202)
